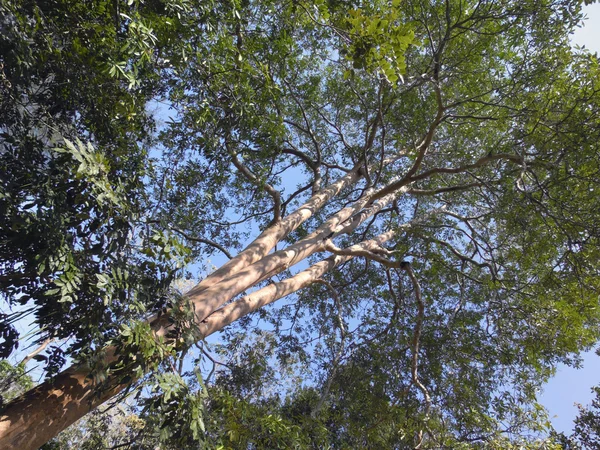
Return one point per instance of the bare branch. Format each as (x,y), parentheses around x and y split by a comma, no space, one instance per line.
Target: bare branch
(274,193)
(463,257)
(295,194)
(269,238)
(269,294)
(369,254)
(423,147)
(203,241)
(462,187)
(314,166)
(37,351)
(479,163)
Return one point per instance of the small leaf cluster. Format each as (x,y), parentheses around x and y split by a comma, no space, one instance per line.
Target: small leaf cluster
(378,40)
(179,410)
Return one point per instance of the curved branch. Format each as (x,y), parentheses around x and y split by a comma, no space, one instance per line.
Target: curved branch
(274,193)
(463,257)
(417,336)
(369,254)
(479,163)
(314,166)
(37,351)
(203,241)
(462,187)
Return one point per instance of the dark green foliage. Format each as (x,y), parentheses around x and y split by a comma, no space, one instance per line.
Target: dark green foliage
(587,423)
(72,222)
(14,382)
(586,432)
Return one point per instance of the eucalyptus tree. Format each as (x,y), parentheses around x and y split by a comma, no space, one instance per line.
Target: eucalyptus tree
(436,250)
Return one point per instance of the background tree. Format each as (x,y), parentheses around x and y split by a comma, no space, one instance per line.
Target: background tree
(71,211)
(586,432)
(447,160)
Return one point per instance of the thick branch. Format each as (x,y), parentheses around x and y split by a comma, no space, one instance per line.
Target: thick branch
(208,300)
(369,254)
(269,238)
(252,302)
(479,163)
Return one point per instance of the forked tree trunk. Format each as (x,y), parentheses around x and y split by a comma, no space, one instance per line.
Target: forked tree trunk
(44,411)
(40,414)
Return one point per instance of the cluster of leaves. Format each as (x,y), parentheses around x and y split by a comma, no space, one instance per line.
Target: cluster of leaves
(586,432)
(105,428)
(177,409)
(14,382)
(379,39)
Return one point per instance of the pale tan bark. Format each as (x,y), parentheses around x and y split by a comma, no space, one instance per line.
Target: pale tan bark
(269,238)
(37,351)
(252,302)
(36,417)
(43,412)
(209,299)
(40,414)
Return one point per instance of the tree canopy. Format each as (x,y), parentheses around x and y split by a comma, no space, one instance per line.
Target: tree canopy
(403,195)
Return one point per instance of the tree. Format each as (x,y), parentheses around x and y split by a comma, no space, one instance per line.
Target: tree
(586,432)
(445,218)
(69,208)
(587,423)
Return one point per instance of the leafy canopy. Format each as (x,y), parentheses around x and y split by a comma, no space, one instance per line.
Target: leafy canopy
(476,126)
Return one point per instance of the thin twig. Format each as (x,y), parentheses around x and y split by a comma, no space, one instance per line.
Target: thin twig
(406,266)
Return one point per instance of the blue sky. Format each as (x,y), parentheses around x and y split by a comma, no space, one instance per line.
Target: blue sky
(570,385)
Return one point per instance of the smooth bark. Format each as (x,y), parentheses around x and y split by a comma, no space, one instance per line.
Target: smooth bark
(44,411)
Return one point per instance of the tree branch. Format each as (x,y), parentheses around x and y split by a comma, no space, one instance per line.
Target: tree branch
(203,241)
(462,187)
(274,193)
(479,163)
(417,336)
(369,254)
(37,351)
(316,183)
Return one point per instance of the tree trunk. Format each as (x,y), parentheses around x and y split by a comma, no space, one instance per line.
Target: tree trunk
(43,412)
(40,414)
